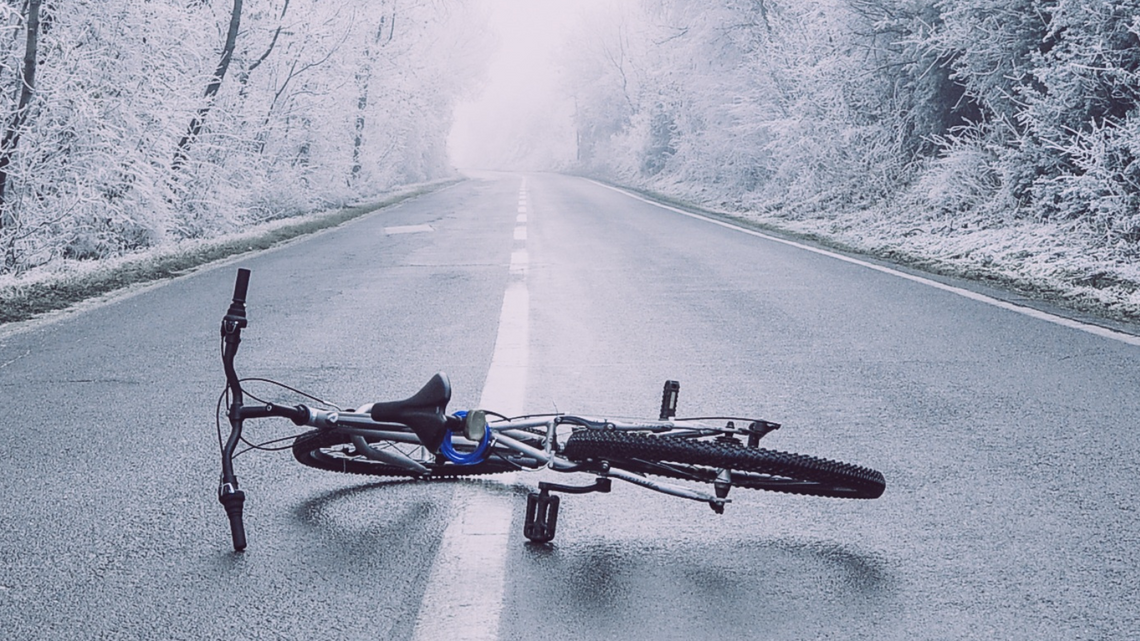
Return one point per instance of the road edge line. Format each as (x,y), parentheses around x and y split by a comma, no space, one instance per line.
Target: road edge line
(1096,330)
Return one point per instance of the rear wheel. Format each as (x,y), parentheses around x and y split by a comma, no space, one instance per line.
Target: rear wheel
(703,460)
(335,452)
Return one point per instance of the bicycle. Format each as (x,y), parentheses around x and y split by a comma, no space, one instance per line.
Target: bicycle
(416,437)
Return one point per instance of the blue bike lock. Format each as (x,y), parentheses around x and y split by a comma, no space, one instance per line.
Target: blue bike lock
(478,455)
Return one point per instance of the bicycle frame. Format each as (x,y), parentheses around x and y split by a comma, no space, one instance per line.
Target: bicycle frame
(509,435)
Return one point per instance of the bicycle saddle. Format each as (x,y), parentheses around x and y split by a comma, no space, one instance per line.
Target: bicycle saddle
(423,411)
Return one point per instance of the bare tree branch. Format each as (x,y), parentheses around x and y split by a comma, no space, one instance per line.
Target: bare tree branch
(182,153)
(269,49)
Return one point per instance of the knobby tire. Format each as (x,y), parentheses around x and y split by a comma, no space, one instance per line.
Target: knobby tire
(701,460)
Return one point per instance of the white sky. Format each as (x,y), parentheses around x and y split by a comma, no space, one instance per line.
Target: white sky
(520,121)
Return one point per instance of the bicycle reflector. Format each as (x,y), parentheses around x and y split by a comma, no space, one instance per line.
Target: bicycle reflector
(478,455)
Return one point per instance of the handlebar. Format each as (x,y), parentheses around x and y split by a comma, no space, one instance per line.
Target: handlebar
(228,493)
(423,413)
(230,496)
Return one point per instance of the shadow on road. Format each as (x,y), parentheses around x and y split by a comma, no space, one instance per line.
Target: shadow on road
(693,590)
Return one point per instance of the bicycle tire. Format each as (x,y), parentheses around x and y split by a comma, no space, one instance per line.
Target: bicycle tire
(701,460)
(325,450)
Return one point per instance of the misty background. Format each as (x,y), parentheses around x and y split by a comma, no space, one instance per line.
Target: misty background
(983,137)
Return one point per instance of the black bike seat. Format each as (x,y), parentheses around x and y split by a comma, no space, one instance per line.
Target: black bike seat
(423,411)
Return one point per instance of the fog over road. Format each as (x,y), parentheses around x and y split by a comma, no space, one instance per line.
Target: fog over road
(1009,443)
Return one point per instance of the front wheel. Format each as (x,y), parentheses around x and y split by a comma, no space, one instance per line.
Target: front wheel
(334,451)
(704,460)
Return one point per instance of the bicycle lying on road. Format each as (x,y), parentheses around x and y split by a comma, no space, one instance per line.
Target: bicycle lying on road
(417,438)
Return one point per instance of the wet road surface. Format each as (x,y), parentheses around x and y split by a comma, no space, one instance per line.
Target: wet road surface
(1008,443)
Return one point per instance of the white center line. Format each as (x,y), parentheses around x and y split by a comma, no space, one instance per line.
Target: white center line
(504,390)
(520,233)
(463,599)
(521,218)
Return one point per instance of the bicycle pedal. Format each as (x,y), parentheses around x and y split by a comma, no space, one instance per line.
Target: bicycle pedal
(541,517)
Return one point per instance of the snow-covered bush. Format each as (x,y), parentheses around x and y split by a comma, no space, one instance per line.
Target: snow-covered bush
(963,181)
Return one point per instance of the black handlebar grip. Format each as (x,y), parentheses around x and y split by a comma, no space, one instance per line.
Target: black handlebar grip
(242,285)
(233,502)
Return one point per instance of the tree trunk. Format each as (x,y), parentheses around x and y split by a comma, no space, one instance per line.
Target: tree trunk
(363,78)
(27,86)
(182,153)
(358,139)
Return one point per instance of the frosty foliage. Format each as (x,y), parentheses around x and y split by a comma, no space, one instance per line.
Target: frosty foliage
(802,107)
(322,103)
(930,115)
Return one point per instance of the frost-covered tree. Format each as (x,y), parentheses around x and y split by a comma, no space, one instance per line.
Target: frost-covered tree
(1082,111)
(154,120)
(990,46)
(978,110)
(771,102)
(27,84)
(216,80)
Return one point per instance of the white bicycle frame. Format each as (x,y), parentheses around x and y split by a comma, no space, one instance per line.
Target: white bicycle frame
(509,435)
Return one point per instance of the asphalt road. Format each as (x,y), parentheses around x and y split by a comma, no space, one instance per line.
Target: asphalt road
(1009,443)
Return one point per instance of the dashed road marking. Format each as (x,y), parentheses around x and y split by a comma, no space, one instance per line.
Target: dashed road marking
(407,229)
(519,261)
